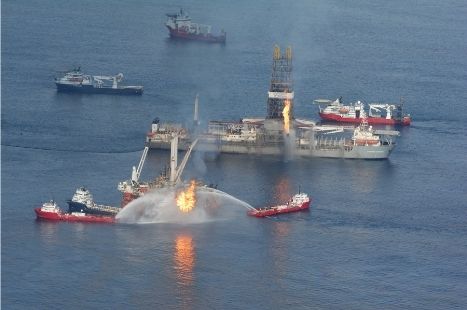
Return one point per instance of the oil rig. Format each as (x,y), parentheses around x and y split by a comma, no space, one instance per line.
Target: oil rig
(279,132)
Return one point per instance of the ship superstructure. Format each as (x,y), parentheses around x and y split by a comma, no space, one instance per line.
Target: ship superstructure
(82,201)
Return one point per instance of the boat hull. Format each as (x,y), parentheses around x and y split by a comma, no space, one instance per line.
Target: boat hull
(53,216)
(277,211)
(176,34)
(372,152)
(371,120)
(90,89)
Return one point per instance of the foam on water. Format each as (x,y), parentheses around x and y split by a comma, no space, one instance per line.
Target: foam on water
(159,206)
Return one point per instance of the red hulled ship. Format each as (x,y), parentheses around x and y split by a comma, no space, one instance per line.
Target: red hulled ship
(50,211)
(298,202)
(378,113)
(180,26)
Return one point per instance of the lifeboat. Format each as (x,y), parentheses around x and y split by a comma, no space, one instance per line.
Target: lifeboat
(373,141)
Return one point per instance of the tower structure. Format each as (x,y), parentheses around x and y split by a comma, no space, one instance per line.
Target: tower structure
(281,89)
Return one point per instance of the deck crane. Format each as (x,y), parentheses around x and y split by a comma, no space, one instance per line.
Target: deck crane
(378,106)
(135,174)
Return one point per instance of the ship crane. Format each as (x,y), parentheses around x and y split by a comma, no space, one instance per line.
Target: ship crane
(176,172)
(135,174)
(115,79)
(378,106)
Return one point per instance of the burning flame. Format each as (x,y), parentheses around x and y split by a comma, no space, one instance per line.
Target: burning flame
(186,199)
(286,115)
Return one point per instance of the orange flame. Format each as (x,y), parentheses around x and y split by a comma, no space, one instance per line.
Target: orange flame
(286,115)
(186,199)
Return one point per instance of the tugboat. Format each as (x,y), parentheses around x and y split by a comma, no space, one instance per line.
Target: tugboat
(298,202)
(353,113)
(82,201)
(50,211)
(76,81)
(181,27)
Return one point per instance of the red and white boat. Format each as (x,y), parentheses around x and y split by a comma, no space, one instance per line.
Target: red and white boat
(378,113)
(50,211)
(181,27)
(298,202)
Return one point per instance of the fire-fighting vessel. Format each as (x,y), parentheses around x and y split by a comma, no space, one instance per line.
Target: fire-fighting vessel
(181,27)
(298,202)
(77,81)
(50,211)
(378,113)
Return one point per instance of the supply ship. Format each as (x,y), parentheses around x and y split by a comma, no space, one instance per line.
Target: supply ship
(280,133)
(50,211)
(298,202)
(181,27)
(78,82)
(378,113)
(81,208)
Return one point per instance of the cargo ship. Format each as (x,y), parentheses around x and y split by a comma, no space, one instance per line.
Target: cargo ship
(376,114)
(50,211)
(181,27)
(78,82)
(298,202)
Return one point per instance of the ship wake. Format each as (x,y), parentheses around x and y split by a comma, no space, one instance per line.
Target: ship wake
(160,206)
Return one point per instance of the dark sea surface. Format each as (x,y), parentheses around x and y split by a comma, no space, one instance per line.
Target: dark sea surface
(388,234)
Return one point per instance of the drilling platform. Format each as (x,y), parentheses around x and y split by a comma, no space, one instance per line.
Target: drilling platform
(280,132)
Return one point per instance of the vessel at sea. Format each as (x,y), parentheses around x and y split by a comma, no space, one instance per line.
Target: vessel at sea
(50,211)
(376,114)
(298,202)
(181,27)
(78,82)
(280,133)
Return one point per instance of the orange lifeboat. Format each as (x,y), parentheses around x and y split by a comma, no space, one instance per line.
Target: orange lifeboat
(344,110)
(366,141)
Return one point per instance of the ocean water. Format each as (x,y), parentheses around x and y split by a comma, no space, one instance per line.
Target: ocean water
(385,234)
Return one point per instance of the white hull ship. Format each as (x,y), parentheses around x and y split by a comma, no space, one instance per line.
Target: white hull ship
(279,133)
(76,82)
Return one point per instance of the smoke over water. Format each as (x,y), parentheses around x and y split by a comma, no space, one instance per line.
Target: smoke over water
(289,145)
(160,206)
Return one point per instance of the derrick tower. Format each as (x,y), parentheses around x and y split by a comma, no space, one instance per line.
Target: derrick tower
(281,89)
